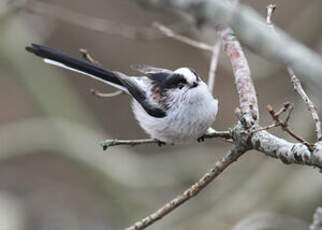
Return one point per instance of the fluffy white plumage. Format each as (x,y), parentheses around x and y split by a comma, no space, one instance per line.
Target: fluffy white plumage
(190,115)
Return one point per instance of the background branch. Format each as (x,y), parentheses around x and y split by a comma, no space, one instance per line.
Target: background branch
(172,34)
(97,24)
(213,65)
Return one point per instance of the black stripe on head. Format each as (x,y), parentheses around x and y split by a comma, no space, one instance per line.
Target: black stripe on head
(174,80)
(195,73)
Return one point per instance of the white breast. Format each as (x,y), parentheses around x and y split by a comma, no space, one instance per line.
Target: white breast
(187,119)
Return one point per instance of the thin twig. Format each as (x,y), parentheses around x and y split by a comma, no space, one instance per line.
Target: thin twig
(86,55)
(222,134)
(285,107)
(311,107)
(296,82)
(269,12)
(220,166)
(284,124)
(262,128)
(113,142)
(106,95)
(290,110)
(170,33)
(213,65)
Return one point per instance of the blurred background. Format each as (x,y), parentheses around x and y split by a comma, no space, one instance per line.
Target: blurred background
(53,172)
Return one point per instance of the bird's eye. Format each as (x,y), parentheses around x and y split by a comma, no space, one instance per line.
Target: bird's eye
(181,85)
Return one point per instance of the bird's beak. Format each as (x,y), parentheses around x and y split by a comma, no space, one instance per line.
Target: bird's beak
(195,84)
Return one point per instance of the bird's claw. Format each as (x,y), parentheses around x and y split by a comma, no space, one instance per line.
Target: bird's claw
(160,143)
(201,139)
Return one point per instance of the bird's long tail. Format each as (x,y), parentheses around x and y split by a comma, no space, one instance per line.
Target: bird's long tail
(58,58)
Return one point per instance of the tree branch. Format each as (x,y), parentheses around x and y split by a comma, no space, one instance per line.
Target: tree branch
(287,152)
(244,84)
(212,174)
(113,142)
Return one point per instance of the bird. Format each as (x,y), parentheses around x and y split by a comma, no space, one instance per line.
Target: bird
(171,106)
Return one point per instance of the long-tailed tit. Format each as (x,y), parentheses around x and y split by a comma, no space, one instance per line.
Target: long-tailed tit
(171,106)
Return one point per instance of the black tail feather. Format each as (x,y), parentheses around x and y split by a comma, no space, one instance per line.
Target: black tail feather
(74,63)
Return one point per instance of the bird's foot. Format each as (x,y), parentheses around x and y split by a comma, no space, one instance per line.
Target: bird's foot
(201,139)
(160,143)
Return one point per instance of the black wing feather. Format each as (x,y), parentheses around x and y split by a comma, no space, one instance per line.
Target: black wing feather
(140,96)
(75,63)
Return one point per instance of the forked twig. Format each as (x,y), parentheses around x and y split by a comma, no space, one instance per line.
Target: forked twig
(287,107)
(278,122)
(213,173)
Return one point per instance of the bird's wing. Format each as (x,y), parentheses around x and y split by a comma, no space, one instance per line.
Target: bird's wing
(140,89)
(146,69)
